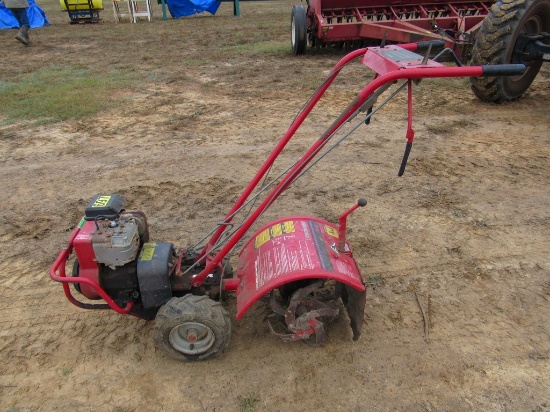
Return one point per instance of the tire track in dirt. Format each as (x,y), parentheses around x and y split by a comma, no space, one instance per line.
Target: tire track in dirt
(39,317)
(51,331)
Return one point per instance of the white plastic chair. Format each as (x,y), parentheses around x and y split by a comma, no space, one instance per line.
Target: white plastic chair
(122,9)
(141,8)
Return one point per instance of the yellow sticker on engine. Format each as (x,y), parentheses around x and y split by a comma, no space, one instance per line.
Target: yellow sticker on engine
(148,251)
(102,201)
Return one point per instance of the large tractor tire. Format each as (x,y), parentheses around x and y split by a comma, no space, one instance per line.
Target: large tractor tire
(298,27)
(496,43)
(193,328)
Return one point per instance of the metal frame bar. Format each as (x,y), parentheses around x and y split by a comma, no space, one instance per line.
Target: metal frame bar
(364,94)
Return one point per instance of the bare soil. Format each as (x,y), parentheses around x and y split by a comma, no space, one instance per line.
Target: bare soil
(464,235)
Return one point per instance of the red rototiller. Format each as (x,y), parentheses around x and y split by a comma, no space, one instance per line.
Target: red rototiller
(298,264)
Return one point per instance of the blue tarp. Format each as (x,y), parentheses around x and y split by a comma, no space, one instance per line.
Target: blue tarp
(180,8)
(37,17)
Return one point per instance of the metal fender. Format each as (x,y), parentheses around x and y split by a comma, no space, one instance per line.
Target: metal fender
(291,249)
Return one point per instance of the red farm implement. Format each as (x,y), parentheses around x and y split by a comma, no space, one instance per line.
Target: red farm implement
(479,32)
(337,22)
(299,265)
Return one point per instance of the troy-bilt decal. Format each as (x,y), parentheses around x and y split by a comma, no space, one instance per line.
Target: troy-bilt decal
(102,201)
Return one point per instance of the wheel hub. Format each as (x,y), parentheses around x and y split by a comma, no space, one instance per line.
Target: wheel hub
(191,338)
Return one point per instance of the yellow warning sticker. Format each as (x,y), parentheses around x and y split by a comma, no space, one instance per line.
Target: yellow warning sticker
(262,238)
(148,251)
(288,227)
(102,201)
(331,231)
(273,232)
(276,230)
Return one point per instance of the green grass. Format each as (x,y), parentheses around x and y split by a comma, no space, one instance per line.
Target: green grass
(54,94)
(263,48)
(249,403)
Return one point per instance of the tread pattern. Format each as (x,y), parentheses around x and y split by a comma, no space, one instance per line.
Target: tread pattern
(494,43)
(195,308)
(298,23)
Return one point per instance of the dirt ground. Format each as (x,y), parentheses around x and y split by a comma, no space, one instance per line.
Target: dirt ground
(464,235)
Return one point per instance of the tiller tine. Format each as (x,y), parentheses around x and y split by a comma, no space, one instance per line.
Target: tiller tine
(355,301)
(301,316)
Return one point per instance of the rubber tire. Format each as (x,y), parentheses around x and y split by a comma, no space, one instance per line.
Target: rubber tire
(195,309)
(298,30)
(495,43)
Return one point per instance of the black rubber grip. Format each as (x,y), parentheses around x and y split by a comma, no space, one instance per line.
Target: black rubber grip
(503,69)
(405,158)
(436,44)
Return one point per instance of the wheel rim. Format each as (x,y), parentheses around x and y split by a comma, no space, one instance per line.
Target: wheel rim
(534,24)
(192,338)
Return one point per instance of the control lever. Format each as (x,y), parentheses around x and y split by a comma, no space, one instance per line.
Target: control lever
(343,221)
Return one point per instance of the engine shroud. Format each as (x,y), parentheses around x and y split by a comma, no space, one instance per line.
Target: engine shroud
(112,251)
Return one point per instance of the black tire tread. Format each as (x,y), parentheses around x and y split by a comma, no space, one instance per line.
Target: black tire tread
(491,47)
(198,308)
(299,20)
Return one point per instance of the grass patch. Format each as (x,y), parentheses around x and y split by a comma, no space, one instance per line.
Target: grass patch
(196,62)
(376,280)
(280,48)
(55,94)
(249,403)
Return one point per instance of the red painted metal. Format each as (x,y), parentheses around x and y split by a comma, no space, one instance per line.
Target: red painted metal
(409,72)
(271,158)
(88,268)
(391,58)
(58,274)
(291,249)
(400,21)
(342,221)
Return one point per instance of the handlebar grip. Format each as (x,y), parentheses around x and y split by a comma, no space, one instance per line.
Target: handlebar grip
(436,44)
(408,148)
(503,69)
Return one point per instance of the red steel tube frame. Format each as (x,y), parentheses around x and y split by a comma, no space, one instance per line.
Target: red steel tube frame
(279,148)
(58,273)
(379,81)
